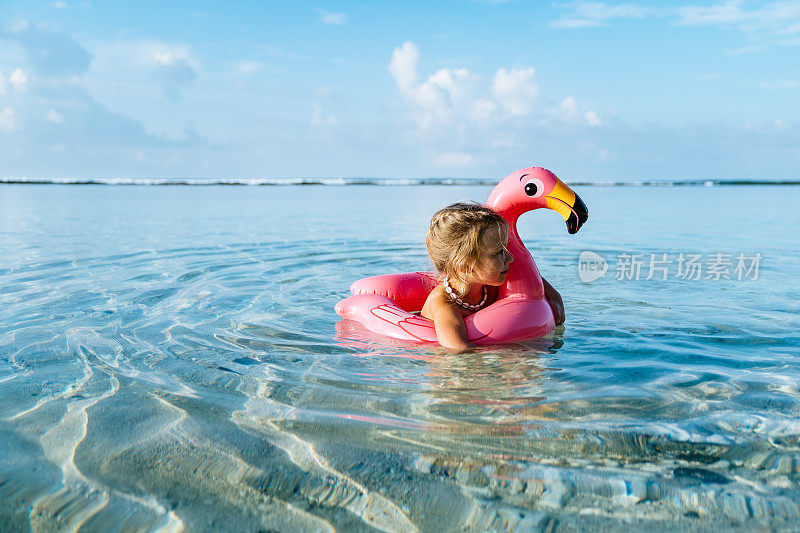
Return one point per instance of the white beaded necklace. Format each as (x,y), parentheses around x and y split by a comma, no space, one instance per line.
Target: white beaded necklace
(461,302)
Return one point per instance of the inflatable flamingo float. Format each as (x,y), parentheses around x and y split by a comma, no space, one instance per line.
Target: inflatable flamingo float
(384,304)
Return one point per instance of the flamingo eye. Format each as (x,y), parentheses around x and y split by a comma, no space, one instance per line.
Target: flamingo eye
(534,188)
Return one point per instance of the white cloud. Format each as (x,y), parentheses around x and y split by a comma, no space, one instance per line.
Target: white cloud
(724,13)
(7,121)
(765,127)
(50,53)
(516,90)
(62,110)
(774,22)
(592,118)
(167,58)
(403,66)
(589,14)
(55,117)
(780,125)
(569,107)
(504,142)
(245,68)
(570,112)
(429,101)
(573,23)
(174,70)
(319,120)
(334,19)
(482,110)
(783,85)
(453,159)
(456,95)
(60,5)
(18,26)
(777,20)
(463,119)
(453,91)
(126,77)
(792,29)
(18,79)
(322,91)
(140,54)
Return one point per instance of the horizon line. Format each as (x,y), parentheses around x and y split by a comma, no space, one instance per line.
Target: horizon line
(360,181)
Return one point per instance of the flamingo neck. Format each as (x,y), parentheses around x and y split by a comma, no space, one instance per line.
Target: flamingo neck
(523,276)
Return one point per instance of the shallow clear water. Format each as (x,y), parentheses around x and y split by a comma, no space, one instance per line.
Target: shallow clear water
(169,359)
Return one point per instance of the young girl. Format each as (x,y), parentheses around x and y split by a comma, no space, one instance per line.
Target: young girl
(467,244)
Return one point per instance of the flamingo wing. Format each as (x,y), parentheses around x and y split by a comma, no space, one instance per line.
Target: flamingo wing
(408,290)
(381,315)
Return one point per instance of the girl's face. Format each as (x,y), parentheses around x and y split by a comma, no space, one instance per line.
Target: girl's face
(492,265)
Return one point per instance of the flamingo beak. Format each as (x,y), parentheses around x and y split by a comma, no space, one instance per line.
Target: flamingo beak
(569,205)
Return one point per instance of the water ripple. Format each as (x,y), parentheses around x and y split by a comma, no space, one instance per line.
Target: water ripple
(155,385)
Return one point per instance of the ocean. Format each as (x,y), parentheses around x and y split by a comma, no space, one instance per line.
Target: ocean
(170,359)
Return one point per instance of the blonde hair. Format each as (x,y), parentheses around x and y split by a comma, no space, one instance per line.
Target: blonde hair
(454,240)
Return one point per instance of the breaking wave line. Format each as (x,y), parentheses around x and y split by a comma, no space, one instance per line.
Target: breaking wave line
(394,182)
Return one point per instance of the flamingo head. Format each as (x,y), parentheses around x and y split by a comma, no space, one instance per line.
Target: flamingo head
(534,187)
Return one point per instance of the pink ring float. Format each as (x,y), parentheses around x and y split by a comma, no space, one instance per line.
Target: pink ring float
(385,304)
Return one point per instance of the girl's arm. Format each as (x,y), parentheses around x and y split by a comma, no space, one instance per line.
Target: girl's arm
(450,328)
(556,303)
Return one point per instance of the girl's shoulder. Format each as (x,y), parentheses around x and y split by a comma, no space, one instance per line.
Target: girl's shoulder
(437,300)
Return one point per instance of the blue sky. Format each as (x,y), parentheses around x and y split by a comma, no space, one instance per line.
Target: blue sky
(400,89)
